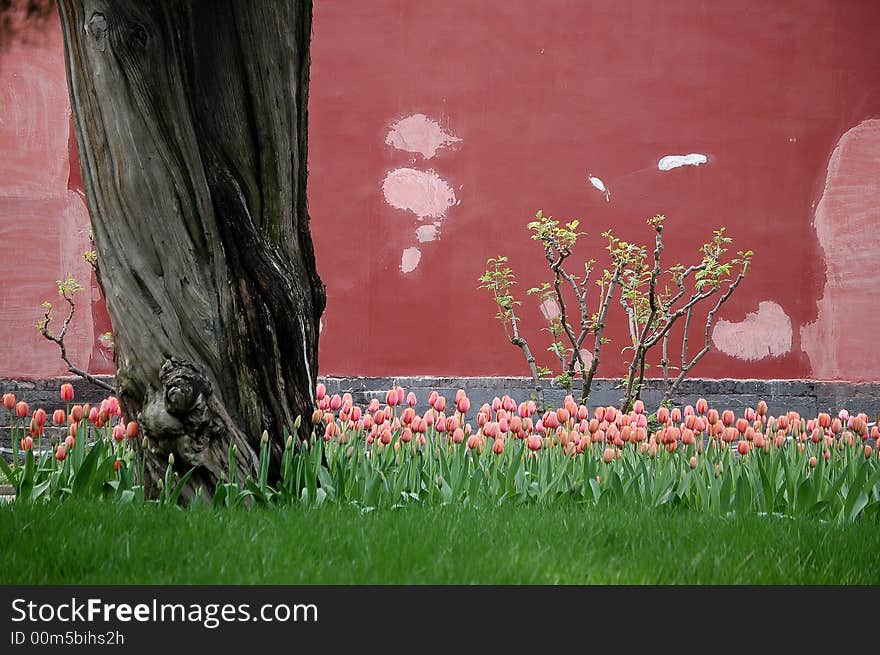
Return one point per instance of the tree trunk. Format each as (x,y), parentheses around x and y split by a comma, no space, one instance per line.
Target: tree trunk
(191,121)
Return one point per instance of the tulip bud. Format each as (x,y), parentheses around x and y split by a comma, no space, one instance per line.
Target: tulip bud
(117,464)
(132,430)
(264,438)
(171,459)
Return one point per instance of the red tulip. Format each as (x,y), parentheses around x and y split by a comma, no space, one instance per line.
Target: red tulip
(132,430)
(58,417)
(116,465)
(9,401)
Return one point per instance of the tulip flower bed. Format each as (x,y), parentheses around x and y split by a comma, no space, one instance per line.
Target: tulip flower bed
(388,455)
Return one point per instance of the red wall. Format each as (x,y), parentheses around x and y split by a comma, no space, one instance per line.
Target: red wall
(502,108)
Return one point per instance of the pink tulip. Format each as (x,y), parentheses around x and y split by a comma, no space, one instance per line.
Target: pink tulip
(67,392)
(22,409)
(534,443)
(28,443)
(9,401)
(58,417)
(458,435)
(400,395)
(320,391)
(61,453)
(663,414)
(463,404)
(411,399)
(702,406)
(639,407)
(498,446)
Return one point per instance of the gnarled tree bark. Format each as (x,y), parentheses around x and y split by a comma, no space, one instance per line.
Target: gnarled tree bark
(191,121)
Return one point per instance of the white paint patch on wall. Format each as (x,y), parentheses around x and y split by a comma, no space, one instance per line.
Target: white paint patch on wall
(418,133)
(426,233)
(587,356)
(669,162)
(600,185)
(424,193)
(550,309)
(841,343)
(409,261)
(765,333)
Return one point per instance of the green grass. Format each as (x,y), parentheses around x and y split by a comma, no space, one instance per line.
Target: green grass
(106,543)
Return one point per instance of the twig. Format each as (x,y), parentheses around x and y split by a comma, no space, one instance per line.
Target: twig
(59,341)
(708,339)
(599,329)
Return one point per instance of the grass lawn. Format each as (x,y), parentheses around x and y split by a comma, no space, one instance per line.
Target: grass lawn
(104,543)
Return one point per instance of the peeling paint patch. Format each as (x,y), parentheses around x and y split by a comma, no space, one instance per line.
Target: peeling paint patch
(410,259)
(424,193)
(765,333)
(600,185)
(669,162)
(550,309)
(418,133)
(587,356)
(841,343)
(426,233)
